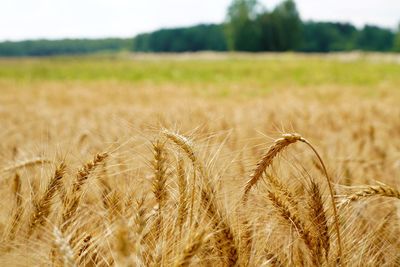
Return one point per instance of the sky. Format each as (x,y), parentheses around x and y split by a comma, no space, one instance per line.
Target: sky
(55,19)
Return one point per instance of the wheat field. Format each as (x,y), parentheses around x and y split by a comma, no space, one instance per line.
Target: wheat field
(200,160)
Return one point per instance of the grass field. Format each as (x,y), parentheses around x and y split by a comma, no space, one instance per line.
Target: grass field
(187,160)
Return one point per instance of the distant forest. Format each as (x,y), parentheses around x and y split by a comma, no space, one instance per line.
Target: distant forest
(248,27)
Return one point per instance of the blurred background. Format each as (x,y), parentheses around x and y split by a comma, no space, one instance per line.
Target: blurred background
(82,77)
(45,27)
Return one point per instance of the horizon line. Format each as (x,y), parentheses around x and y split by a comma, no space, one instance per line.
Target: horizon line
(16,40)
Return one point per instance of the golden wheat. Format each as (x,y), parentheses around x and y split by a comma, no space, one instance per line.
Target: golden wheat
(183,199)
(266,160)
(42,208)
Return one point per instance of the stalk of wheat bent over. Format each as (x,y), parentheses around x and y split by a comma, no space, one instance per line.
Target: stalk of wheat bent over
(278,146)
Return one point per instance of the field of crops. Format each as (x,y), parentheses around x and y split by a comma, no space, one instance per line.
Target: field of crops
(200,160)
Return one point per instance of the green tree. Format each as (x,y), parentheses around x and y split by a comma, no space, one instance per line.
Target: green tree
(196,38)
(328,36)
(268,37)
(373,38)
(63,47)
(286,26)
(249,28)
(396,45)
(242,32)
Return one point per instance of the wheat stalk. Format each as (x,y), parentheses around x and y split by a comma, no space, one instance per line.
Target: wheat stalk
(64,248)
(71,204)
(271,259)
(18,207)
(159,184)
(292,219)
(182,185)
(225,240)
(283,190)
(332,195)
(320,222)
(371,191)
(123,245)
(42,208)
(190,251)
(85,246)
(26,163)
(266,160)
(246,242)
(140,224)
(160,177)
(186,145)
(84,172)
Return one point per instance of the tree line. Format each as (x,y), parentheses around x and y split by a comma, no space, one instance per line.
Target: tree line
(64,47)
(249,26)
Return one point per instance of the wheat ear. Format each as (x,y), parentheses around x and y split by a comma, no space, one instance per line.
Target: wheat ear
(266,160)
(159,183)
(320,222)
(160,174)
(284,191)
(225,240)
(190,251)
(371,190)
(186,145)
(42,208)
(18,207)
(286,213)
(71,204)
(182,185)
(64,248)
(334,208)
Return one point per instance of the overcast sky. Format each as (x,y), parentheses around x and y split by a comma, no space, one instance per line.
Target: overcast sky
(53,19)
